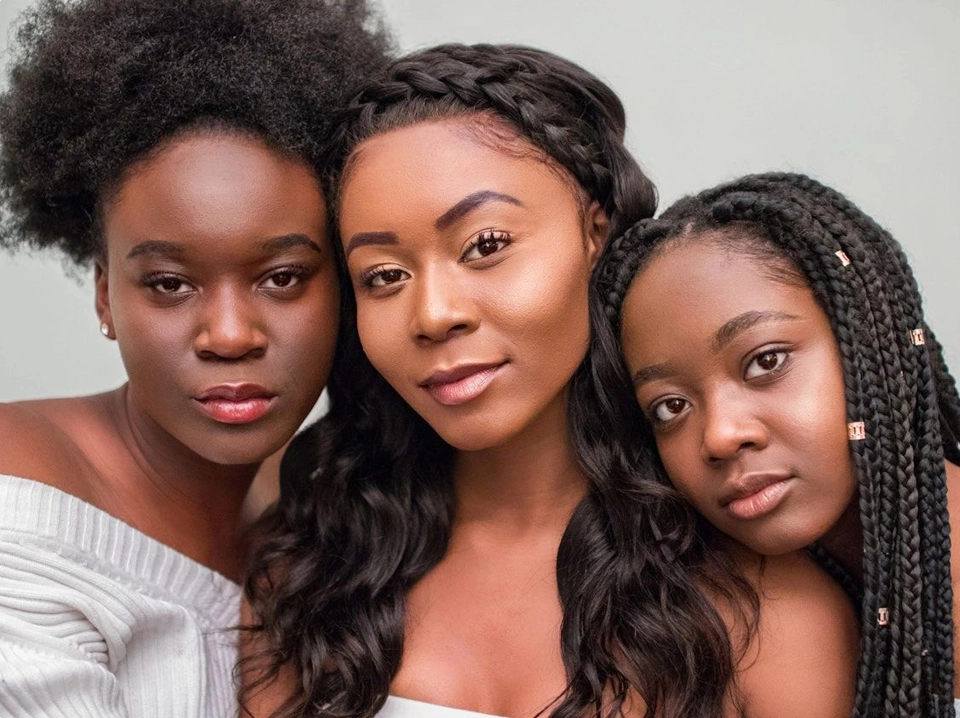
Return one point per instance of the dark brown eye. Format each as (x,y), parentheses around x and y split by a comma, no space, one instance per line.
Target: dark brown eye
(487,243)
(766,363)
(384,277)
(282,279)
(487,247)
(669,409)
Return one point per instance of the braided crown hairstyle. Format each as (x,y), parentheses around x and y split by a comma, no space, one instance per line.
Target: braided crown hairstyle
(366,493)
(900,388)
(569,115)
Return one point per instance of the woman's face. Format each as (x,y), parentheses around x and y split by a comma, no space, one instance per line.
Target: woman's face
(470,264)
(739,374)
(219,283)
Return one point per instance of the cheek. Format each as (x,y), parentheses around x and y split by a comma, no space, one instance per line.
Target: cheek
(680,459)
(545,303)
(306,334)
(382,330)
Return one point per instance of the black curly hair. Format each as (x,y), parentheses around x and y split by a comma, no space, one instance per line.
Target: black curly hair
(366,494)
(897,385)
(96,85)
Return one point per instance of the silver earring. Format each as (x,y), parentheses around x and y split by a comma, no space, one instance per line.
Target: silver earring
(105,329)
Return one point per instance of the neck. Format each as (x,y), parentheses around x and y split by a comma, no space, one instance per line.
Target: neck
(844,541)
(528,484)
(185,500)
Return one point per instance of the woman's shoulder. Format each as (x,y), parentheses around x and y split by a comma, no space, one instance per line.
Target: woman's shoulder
(42,441)
(807,630)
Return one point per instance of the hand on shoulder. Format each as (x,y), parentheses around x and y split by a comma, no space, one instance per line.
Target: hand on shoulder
(803,659)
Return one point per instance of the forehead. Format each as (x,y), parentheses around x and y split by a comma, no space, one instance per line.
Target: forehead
(214,185)
(432,165)
(695,286)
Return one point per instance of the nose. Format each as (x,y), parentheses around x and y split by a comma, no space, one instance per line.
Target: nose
(229,327)
(443,308)
(729,428)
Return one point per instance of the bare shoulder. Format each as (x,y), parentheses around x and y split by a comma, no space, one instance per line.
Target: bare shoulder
(803,659)
(38,445)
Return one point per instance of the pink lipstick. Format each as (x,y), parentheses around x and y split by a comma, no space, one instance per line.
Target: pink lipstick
(235,403)
(461,384)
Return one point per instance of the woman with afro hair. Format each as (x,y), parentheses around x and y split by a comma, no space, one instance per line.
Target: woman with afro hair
(175,149)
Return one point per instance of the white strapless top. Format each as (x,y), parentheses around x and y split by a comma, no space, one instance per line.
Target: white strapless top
(406,708)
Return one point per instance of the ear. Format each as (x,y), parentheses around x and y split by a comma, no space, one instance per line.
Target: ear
(596,229)
(102,298)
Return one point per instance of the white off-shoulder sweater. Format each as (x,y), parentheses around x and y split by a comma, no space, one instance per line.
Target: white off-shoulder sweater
(98,620)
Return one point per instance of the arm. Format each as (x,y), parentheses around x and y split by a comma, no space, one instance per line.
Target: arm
(54,661)
(803,660)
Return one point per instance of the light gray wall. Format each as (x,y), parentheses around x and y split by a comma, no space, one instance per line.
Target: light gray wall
(863,94)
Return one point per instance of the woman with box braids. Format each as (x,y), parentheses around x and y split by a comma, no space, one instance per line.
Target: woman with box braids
(465,177)
(900,403)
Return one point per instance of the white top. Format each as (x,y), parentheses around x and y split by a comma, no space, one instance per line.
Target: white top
(98,620)
(406,708)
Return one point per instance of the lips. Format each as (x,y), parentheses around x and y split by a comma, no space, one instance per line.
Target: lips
(753,495)
(236,403)
(462,383)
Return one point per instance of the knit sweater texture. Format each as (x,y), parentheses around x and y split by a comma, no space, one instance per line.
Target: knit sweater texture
(98,620)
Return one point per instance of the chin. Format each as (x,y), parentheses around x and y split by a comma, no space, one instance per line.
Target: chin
(775,545)
(238,450)
(468,435)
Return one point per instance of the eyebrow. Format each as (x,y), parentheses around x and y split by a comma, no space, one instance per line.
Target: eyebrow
(361,239)
(459,210)
(742,322)
(172,250)
(157,247)
(650,373)
(725,334)
(289,241)
(470,203)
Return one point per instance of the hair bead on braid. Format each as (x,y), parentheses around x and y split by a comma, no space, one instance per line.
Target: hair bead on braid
(905,404)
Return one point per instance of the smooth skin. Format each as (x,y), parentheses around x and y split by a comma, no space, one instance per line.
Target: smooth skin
(217,271)
(471,260)
(767,399)
(732,376)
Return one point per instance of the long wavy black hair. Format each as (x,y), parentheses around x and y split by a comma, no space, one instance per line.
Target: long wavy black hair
(896,382)
(367,500)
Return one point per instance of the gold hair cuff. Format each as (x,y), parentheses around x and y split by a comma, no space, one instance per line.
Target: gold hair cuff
(857,431)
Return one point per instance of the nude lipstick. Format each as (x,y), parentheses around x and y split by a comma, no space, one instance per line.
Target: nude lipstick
(754,495)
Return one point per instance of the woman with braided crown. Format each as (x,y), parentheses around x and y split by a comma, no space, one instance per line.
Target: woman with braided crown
(776,355)
(454,532)
(175,148)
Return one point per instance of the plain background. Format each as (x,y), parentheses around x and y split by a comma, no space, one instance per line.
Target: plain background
(862,94)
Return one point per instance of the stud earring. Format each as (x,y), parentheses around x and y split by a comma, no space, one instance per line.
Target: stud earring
(105,329)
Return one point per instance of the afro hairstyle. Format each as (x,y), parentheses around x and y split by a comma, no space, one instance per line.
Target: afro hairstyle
(97,85)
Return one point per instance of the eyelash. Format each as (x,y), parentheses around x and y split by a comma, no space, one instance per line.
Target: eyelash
(298,272)
(369,276)
(658,422)
(501,238)
(768,372)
